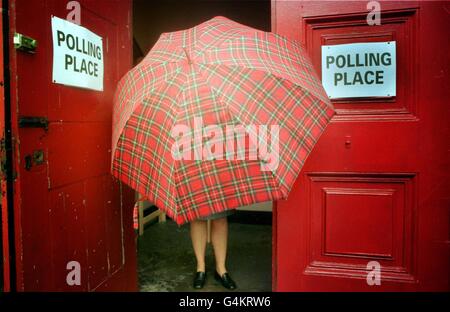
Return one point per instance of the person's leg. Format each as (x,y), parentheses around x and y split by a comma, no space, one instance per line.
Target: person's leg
(198,237)
(219,238)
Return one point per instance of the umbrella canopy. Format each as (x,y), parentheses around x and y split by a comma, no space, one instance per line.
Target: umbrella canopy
(216,117)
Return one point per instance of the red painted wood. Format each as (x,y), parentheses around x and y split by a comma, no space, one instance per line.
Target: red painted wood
(69,208)
(4,199)
(376,185)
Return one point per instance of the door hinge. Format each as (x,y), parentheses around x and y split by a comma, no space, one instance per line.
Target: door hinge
(33,122)
(3,160)
(24,43)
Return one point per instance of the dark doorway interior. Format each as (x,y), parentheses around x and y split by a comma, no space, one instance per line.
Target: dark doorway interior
(166,260)
(165,255)
(151,18)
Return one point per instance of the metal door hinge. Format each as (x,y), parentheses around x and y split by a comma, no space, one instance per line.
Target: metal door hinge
(33,122)
(3,160)
(24,43)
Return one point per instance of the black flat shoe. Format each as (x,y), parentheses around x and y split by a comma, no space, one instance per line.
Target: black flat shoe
(199,280)
(225,280)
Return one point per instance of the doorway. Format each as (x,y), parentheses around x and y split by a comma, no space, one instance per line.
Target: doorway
(166,260)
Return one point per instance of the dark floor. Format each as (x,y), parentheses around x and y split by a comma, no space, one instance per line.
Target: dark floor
(167,262)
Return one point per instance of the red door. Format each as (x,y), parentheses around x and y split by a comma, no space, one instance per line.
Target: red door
(4,250)
(66,205)
(376,186)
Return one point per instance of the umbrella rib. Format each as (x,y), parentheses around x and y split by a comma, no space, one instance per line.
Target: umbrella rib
(318,96)
(187,56)
(175,163)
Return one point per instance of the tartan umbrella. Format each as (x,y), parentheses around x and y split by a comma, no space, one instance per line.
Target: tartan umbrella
(173,113)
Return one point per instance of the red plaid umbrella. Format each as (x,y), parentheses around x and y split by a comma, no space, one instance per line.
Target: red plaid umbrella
(218,73)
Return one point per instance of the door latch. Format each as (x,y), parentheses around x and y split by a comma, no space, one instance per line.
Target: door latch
(36,159)
(24,43)
(33,122)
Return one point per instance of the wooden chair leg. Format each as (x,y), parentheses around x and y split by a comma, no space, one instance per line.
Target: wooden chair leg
(208,227)
(161,217)
(141,218)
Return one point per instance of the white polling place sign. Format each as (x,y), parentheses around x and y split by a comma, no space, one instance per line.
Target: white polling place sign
(359,69)
(77,55)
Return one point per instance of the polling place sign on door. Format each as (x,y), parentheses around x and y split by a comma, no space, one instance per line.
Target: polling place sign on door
(77,56)
(359,69)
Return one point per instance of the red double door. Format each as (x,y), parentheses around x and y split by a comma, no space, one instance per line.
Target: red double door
(375,188)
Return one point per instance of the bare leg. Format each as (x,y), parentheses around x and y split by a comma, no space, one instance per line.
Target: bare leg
(198,237)
(219,238)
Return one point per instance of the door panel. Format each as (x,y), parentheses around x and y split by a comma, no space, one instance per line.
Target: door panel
(356,217)
(398,25)
(68,207)
(72,163)
(365,191)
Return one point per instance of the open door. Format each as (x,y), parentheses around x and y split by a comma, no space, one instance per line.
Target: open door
(373,195)
(67,208)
